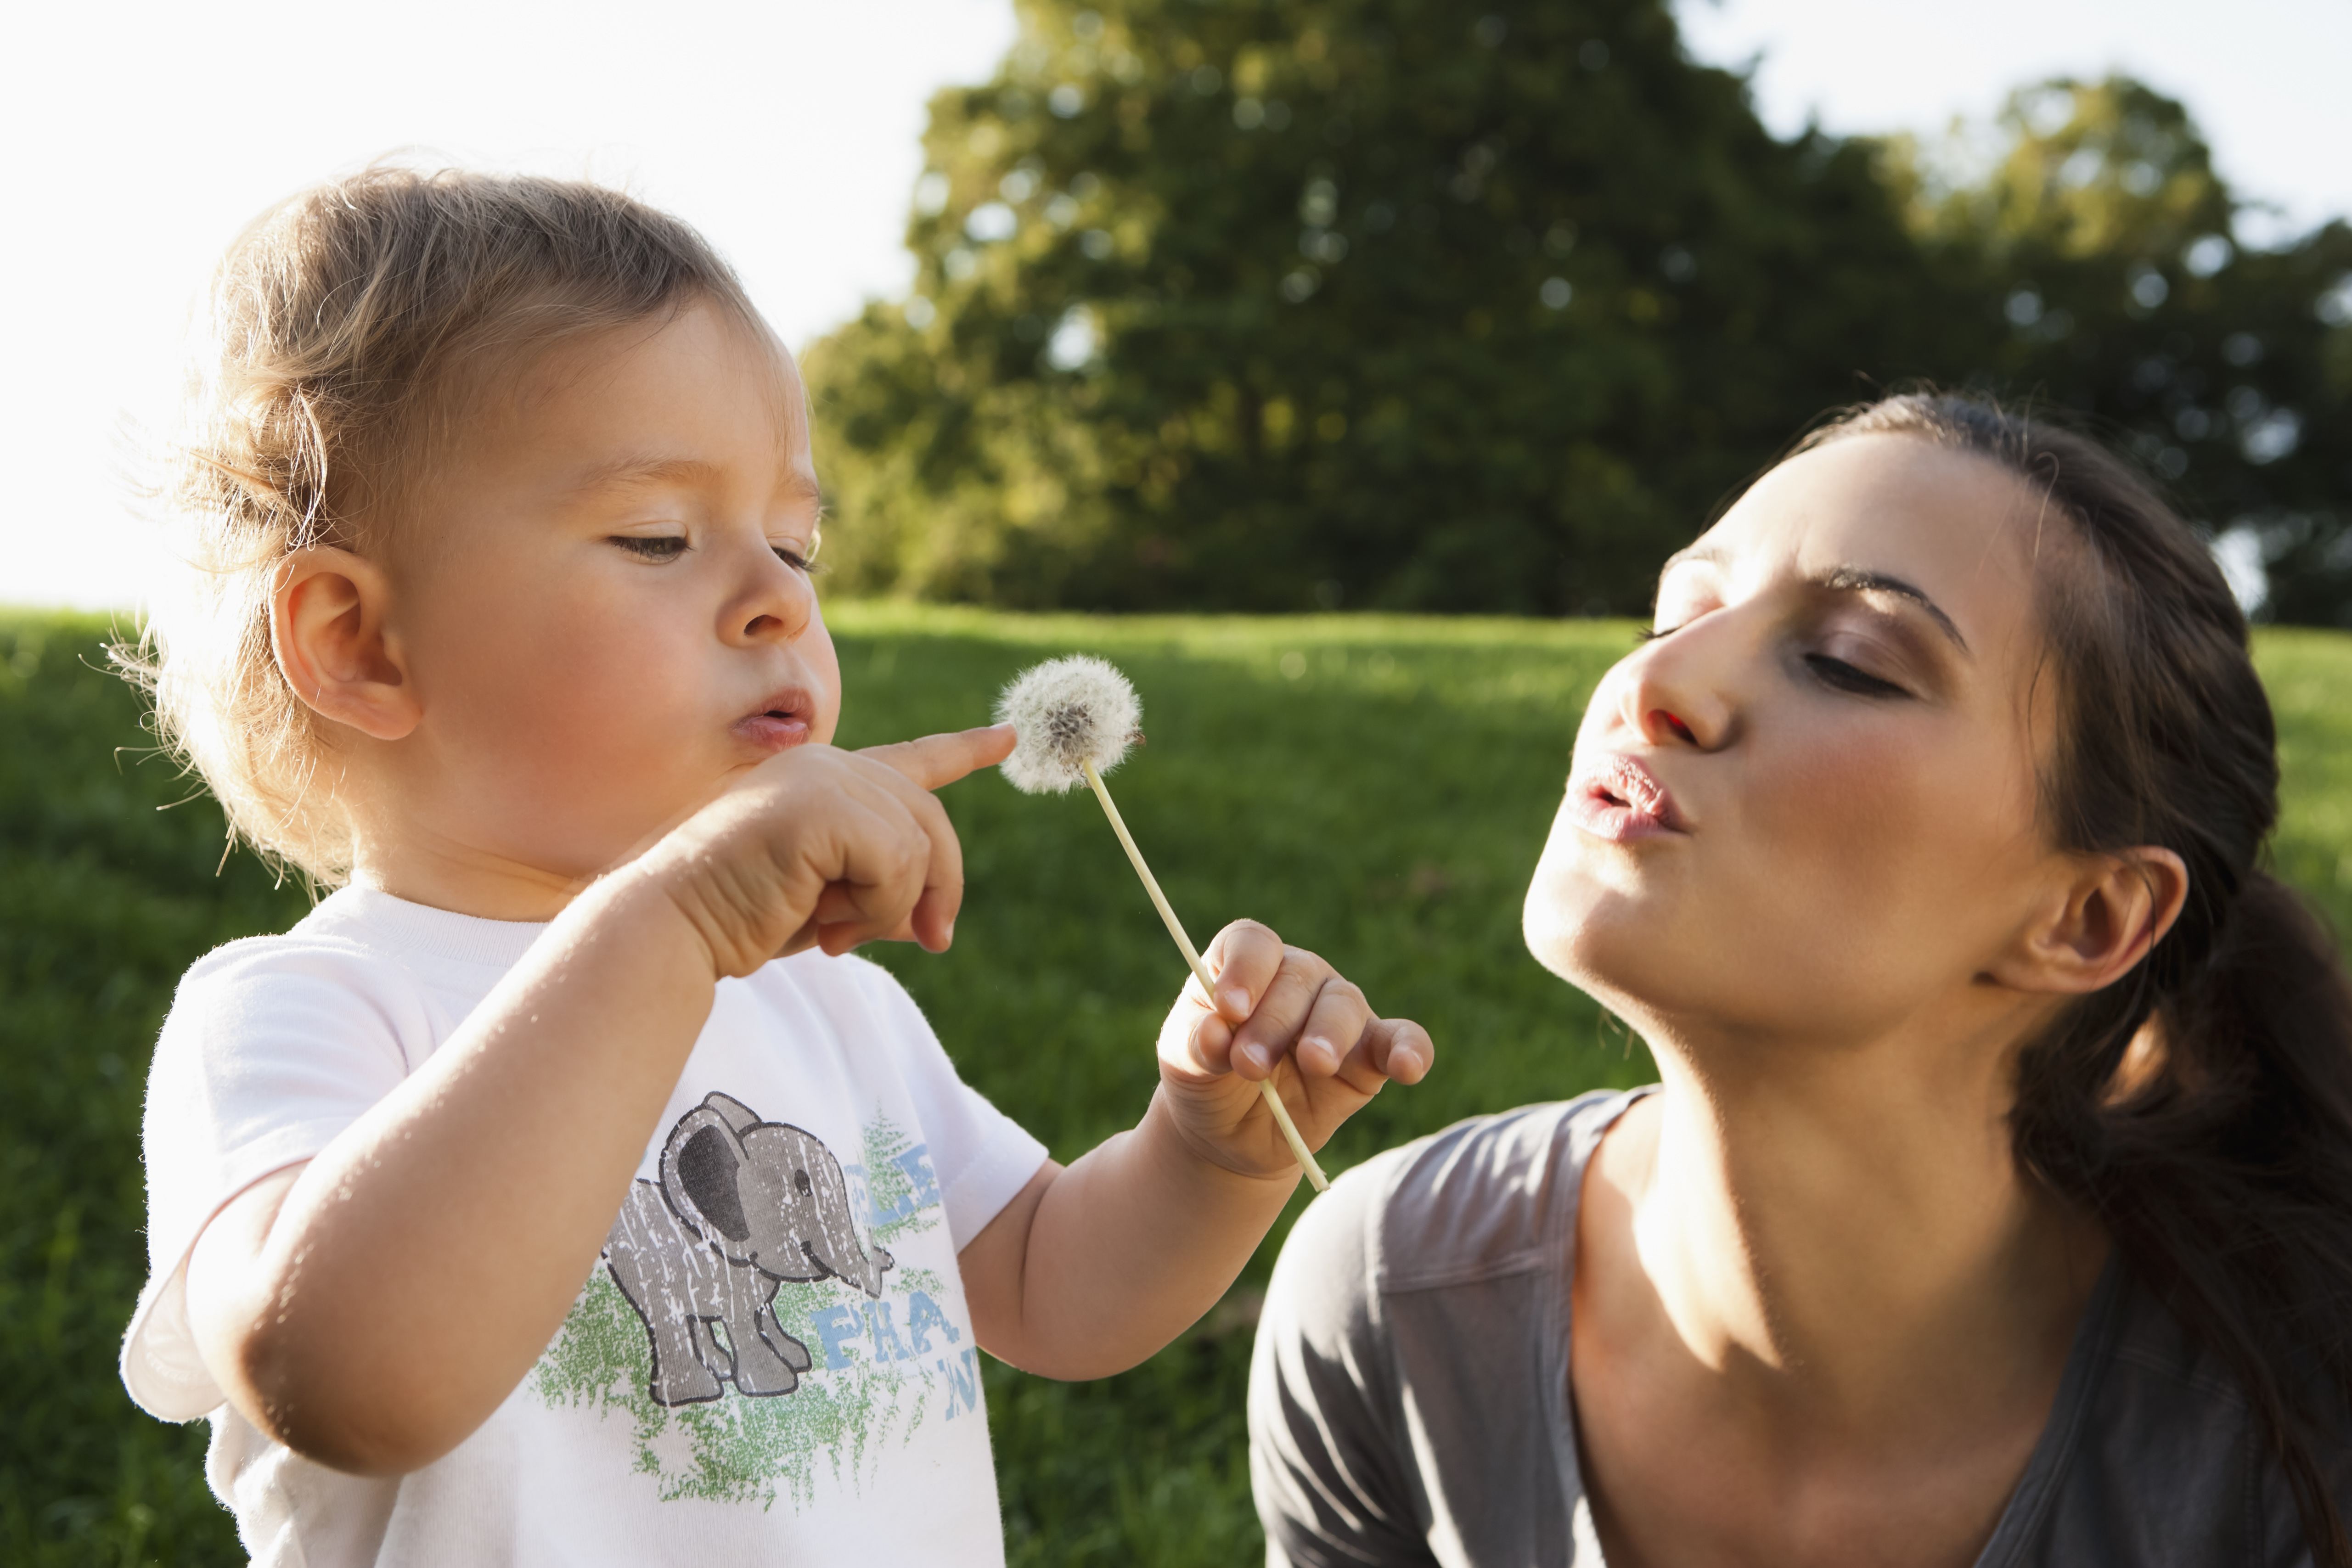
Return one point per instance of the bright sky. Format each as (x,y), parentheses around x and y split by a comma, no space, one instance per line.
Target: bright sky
(787,130)
(146,136)
(2264,79)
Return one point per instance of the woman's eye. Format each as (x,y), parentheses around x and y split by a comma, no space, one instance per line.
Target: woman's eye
(651,547)
(1841,676)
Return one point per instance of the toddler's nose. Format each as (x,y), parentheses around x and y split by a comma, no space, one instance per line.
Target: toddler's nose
(776,604)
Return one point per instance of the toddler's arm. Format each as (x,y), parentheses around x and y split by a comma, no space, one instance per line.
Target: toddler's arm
(370,1308)
(1093,1268)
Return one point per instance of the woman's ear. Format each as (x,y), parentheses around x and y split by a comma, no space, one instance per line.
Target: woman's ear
(2118,907)
(327,628)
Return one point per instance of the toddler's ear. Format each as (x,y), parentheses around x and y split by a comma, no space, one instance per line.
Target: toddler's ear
(327,630)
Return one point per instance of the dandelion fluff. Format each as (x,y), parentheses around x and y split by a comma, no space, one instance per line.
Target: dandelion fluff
(1065,713)
(1073,720)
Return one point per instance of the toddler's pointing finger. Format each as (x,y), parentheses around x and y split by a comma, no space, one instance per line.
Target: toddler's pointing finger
(935,761)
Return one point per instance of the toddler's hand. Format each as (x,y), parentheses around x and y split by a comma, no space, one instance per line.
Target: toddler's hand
(820,847)
(1283,1013)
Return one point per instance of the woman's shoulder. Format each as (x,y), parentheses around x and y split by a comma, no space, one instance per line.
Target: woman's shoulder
(2154,1452)
(1487,1196)
(1403,1385)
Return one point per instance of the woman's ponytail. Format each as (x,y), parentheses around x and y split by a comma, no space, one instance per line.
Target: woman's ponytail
(2214,1142)
(2201,1107)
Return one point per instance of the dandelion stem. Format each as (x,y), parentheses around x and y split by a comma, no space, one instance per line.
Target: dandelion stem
(1299,1148)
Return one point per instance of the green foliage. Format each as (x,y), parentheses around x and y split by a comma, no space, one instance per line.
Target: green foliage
(1275,303)
(2101,231)
(2079,170)
(1376,788)
(1374,302)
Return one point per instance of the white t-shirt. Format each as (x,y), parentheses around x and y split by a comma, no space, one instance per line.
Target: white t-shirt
(772,1362)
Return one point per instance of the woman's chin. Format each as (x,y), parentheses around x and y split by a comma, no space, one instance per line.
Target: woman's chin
(1565,923)
(1608,942)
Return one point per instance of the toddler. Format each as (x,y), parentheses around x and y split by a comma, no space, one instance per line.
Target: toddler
(562,1190)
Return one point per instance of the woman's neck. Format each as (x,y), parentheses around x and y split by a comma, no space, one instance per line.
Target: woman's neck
(1817,1313)
(1844,1246)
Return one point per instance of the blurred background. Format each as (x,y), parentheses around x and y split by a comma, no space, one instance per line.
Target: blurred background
(1417,330)
(1325,303)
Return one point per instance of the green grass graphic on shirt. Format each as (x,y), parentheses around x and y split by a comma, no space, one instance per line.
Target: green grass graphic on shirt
(844,1415)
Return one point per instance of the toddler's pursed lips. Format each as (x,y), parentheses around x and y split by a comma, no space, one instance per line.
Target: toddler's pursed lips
(783,720)
(786,702)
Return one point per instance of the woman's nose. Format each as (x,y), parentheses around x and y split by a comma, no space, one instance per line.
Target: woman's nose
(1677,690)
(1658,723)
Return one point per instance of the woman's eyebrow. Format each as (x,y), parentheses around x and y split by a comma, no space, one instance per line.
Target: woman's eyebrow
(1860,579)
(1842,579)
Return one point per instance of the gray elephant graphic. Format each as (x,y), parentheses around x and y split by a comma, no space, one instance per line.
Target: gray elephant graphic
(742,1207)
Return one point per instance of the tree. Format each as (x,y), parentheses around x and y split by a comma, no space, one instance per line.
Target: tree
(1272,303)
(2098,228)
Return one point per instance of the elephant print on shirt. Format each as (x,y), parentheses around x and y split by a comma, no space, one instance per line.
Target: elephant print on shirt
(742,1207)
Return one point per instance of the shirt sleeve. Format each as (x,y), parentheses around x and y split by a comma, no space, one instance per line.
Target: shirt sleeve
(270,1051)
(1325,1456)
(980,1157)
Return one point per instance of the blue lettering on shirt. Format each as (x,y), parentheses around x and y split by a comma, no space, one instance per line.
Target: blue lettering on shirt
(917,1165)
(888,1345)
(836,1326)
(923,1188)
(923,1315)
(963,1375)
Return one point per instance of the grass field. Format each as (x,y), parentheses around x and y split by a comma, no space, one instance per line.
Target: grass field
(1376,789)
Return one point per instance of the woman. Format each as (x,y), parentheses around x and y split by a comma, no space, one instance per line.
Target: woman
(1995,1204)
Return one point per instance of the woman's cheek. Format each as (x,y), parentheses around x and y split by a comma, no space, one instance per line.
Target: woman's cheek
(1871,833)
(1829,783)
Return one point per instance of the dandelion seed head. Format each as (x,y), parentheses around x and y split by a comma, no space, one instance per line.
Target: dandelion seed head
(1065,713)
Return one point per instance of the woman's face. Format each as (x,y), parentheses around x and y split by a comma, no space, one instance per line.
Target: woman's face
(1805,809)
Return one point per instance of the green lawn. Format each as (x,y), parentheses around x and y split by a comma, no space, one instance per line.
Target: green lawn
(1376,789)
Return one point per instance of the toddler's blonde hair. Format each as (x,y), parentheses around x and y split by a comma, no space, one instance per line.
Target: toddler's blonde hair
(339,338)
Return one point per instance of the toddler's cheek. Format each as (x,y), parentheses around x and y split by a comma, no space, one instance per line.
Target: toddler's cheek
(824,680)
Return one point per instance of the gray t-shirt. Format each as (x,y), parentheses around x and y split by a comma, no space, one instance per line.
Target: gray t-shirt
(1410,1403)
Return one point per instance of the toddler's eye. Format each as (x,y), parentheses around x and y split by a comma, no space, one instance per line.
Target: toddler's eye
(651,547)
(796,558)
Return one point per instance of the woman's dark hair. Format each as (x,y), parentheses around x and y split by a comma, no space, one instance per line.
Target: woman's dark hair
(2202,1107)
